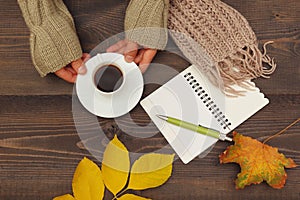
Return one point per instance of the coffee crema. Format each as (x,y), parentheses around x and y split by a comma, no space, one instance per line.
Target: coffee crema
(108,78)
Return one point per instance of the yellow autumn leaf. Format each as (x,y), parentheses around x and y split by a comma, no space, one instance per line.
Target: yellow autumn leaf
(64,197)
(115,166)
(132,197)
(87,182)
(150,170)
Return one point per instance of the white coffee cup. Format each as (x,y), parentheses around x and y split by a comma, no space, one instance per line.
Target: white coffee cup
(109,102)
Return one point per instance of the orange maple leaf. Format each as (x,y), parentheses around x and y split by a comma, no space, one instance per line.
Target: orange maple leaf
(259,162)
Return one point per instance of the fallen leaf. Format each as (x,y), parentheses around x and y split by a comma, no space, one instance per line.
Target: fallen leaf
(150,170)
(64,197)
(259,162)
(87,182)
(132,197)
(115,166)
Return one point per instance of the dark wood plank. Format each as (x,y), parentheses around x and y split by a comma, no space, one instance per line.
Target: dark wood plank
(40,149)
(39,146)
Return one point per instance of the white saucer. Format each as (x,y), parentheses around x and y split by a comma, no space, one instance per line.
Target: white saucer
(114,104)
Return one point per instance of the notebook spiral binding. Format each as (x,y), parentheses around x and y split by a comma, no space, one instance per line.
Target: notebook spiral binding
(206,99)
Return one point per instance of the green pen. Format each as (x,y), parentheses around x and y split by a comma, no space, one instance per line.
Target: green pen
(195,128)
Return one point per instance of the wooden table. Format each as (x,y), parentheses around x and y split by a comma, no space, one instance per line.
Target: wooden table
(39,145)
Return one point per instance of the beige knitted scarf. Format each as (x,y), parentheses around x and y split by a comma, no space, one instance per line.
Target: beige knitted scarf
(225,36)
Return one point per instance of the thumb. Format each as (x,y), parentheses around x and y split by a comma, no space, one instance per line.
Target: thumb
(131,51)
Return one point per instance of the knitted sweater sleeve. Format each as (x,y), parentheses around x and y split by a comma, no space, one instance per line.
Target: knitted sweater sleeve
(146,22)
(53,39)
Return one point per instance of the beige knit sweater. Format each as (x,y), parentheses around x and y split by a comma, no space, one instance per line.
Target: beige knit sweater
(53,39)
(144,22)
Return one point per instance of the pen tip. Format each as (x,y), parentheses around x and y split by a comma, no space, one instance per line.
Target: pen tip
(162,117)
(159,116)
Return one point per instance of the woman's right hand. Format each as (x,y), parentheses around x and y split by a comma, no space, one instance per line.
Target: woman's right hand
(133,52)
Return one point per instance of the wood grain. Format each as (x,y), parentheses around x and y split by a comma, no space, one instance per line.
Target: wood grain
(39,144)
(39,155)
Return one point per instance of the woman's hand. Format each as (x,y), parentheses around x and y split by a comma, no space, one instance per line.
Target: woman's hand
(69,73)
(133,53)
(131,50)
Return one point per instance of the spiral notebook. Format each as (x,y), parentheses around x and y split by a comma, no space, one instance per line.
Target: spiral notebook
(190,96)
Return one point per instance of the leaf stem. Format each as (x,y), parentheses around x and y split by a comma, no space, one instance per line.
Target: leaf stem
(119,194)
(282,131)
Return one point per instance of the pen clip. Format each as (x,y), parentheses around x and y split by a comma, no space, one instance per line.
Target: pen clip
(226,125)
(223,136)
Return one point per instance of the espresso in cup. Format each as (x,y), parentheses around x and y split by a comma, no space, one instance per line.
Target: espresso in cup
(108,78)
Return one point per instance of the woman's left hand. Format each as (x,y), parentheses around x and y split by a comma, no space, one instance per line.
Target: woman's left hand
(69,73)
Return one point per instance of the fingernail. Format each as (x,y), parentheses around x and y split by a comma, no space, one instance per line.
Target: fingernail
(82,70)
(129,58)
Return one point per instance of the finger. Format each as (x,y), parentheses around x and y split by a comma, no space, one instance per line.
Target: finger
(66,75)
(121,50)
(117,46)
(77,64)
(139,57)
(70,69)
(85,57)
(82,69)
(131,51)
(147,58)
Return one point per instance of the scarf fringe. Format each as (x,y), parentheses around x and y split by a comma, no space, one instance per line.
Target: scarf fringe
(244,65)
